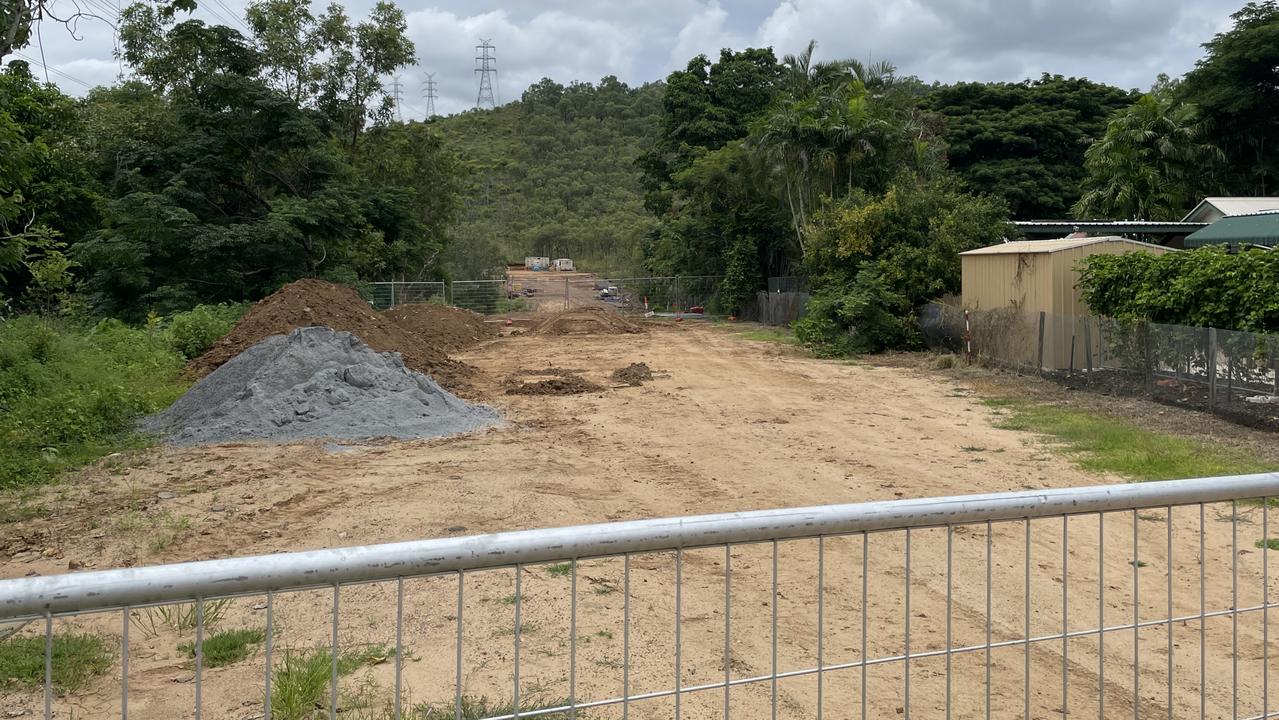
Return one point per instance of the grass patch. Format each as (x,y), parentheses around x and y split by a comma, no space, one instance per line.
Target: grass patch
(773,335)
(226,647)
(71,394)
(475,708)
(76,660)
(1104,444)
(560,570)
(1268,543)
(300,682)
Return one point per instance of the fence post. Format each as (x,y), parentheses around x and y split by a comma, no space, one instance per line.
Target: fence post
(1071,371)
(1150,359)
(968,338)
(1212,368)
(1041,342)
(1088,347)
(565,293)
(392,294)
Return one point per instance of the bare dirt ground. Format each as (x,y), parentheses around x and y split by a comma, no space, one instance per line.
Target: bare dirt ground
(726,425)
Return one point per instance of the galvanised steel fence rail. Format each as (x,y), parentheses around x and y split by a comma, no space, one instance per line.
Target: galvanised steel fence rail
(1135,600)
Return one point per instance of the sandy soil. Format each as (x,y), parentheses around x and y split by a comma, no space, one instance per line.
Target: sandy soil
(726,425)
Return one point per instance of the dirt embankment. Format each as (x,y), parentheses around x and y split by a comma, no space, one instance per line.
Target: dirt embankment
(310,302)
(586,321)
(448,328)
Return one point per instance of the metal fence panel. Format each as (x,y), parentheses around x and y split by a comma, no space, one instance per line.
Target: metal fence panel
(1124,600)
(390,293)
(487,297)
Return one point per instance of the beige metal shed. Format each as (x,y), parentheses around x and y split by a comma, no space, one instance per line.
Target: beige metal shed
(1033,276)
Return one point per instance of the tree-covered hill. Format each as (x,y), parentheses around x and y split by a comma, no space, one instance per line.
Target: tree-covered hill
(553,174)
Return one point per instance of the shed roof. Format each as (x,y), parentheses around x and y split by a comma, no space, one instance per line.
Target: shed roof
(1050,246)
(1230,206)
(1255,229)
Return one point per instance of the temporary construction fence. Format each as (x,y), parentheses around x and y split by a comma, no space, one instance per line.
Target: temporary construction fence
(391,293)
(661,296)
(691,295)
(487,297)
(675,296)
(1132,600)
(1233,374)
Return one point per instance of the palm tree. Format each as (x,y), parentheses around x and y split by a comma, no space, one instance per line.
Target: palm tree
(1153,163)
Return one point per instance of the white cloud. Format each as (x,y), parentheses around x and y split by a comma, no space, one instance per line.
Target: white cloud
(1123,42)
(704,33)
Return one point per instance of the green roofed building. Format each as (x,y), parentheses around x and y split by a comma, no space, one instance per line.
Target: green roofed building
(1257,229)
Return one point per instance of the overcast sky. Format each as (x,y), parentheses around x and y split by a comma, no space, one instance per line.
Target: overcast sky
(1122,42)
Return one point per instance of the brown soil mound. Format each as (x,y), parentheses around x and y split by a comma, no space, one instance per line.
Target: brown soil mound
(562,385)
(633,374)
(310,302)
(448,328)
(586,320)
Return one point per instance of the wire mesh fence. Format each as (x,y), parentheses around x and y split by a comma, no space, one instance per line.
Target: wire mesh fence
(1230,373)
(391,293)
(487,297)
(1113,601)
(658,296)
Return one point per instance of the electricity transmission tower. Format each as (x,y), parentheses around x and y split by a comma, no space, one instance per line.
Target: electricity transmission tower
(486,66)
(430,94)
(399,99)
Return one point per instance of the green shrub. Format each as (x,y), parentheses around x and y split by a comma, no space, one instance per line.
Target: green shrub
(848,319)
(192,332)
(1207,287)
(69,395)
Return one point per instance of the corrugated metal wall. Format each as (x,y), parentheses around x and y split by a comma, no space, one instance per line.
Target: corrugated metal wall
(1038,282)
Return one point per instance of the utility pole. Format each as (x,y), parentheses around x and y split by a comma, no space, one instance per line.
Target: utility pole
(399,99)
(486,66)
(430,94)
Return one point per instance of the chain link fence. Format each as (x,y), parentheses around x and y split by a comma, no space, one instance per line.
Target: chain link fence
(1230,373)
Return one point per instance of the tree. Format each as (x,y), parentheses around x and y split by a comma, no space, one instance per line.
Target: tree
(1237,88)
(706,106)
(289,39)
(420,181)
(181,57)
(351,91)
(873,260)
(848,131)
(46,195)
(1153,163)
(1025,141)
(250,193)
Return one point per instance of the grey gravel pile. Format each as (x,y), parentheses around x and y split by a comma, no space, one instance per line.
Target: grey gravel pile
(315,382)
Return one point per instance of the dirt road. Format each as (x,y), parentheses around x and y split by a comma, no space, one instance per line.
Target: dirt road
(727,425)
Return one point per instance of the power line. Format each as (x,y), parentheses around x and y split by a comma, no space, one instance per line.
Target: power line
(232,14)
(486,66)
(430,94)
(55,71)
